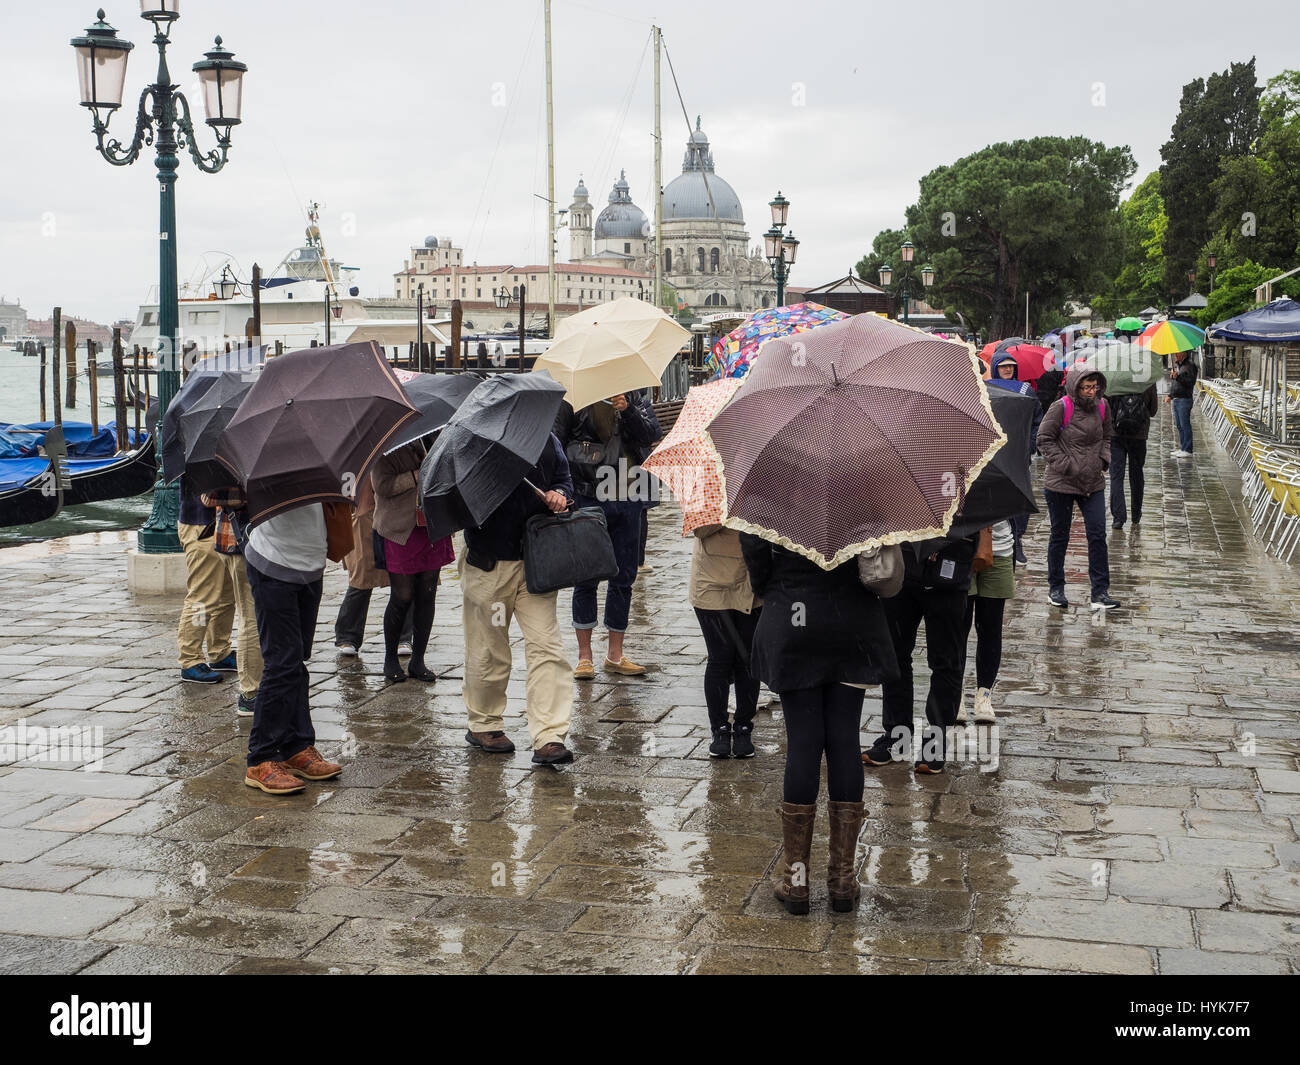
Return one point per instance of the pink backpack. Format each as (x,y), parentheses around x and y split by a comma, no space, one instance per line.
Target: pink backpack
(1069,410)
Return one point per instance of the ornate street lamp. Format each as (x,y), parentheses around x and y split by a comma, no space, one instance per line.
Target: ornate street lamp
(504,299)
(167,125)
(780,248)
(908,252)
(886,275)
(225,286)
(1211,262)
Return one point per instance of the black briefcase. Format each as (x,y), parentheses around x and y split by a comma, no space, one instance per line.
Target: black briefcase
(563,550)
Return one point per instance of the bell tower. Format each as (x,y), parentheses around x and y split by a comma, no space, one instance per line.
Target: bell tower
(580,224)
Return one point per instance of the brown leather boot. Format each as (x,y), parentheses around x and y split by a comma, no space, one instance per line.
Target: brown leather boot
(841,880)
(790,883)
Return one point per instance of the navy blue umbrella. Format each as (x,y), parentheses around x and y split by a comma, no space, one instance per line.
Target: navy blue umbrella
(173,449)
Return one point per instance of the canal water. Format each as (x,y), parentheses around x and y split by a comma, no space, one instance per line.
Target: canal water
(20,402)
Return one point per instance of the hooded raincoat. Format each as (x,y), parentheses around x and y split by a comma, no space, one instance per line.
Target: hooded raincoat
(1077,454)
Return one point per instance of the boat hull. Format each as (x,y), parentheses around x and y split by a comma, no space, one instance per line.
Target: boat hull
(131,475)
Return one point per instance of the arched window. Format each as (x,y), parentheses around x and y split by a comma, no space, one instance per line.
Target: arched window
(764,301)
(515,293)
(713,260)
(668,260)
(699,255)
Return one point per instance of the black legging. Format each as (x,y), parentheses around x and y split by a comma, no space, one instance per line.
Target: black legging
(417,592)
(728,635)
(986,616)
(823,721)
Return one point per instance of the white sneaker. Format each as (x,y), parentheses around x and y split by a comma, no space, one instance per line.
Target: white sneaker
(1178,453)
(404,648)
(984,714)
(345,648)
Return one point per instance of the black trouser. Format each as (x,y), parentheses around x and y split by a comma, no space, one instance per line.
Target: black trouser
(286,625)
(943,610)
(822,722)
(729,635)
(350,625)
(645,535)
(1133,452)
(410,595)
(985,614)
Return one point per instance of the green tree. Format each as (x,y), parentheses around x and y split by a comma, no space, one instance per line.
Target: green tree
(1218,120)
(886,249)
(1036,216)
(1139,282)
(1234,291)
(1257,196)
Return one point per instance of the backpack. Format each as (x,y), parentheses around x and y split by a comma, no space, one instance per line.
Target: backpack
(1069,410)
(1131,416)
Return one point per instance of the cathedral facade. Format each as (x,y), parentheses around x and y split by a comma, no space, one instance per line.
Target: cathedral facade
(707,257)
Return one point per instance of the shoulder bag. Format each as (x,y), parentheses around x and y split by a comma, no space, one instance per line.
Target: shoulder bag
(567,549)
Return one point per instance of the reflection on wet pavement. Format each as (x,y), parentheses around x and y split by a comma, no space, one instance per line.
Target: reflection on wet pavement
(1142,818)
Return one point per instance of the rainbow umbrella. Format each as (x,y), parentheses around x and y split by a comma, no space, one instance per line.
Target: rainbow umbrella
(686,462)
(733,353)
(1169,338)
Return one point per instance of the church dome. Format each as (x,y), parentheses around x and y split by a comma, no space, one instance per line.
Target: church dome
(621,219)
(430,242)
(687,195)
(580,191)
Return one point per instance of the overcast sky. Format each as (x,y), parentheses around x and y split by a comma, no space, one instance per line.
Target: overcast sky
(408,118)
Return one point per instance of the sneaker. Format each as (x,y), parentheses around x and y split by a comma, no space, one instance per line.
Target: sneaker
(932,769)
(492,742)
(584,670)
(624,666)
(721,745)
(984,714)
(742,742)
(346,648)
(309,765)
(404,648)
(1179,453)
(1057,598)
(877,754)
(1117,525)
(226,665)
(1018,553)
(272,778)
(1104,602)
(961,713)
(552,754)
(244,708)
(200,674)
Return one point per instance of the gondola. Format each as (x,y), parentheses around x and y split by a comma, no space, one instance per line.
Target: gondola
(31,489)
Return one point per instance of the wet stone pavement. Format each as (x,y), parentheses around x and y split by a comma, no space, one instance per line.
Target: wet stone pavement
(1142,817)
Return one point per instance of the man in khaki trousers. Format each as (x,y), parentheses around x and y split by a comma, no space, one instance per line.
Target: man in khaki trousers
(208,613)
(492,582)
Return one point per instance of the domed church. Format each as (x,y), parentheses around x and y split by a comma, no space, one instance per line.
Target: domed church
(706,253)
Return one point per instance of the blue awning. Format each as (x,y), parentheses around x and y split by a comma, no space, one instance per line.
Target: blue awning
(1275,323)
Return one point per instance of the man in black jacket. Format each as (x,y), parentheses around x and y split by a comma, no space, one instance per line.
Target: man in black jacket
(935,587)
(604,444)
(1128,447)
(1182,387)
(492,582)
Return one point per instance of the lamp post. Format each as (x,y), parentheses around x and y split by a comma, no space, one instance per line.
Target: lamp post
(504,299)
(1211,262)
(168,127)
(779,247)
(908,253)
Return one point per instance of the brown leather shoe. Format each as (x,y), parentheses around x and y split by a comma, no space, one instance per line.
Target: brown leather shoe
(272,778)
(841,871)
(310,765)
(492,742)
(552,754)
(790,882)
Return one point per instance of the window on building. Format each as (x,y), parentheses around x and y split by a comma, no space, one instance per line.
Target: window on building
(478,292)
(713,260)
(699,256)
(627,248)
(765,303)
(515,293)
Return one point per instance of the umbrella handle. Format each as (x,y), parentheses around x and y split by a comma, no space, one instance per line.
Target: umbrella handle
(540,494)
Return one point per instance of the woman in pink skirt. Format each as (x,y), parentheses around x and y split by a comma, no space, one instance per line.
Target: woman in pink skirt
(411,558)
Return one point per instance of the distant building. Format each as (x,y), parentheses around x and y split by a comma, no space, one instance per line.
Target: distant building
(13,320)
(433,254)
(849,294)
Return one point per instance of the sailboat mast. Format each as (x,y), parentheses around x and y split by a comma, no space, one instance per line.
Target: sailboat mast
(550,181)
(659,186)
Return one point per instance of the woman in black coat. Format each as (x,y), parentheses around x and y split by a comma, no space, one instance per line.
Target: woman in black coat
(821,639)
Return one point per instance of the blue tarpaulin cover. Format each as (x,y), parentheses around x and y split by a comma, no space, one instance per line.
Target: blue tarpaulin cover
(1275,323)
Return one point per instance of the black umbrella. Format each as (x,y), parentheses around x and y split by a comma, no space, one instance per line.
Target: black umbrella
(173,449)
(1003,489)
(311,427)
(486,450)
(436,396)
(203,423)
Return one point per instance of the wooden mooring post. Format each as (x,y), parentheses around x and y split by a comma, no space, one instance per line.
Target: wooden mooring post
(42,350)
(93,377)
(70,347)
(136,393)
(119,390)
(54,367)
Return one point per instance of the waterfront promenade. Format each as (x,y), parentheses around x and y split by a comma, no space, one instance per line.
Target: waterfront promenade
(1143,816)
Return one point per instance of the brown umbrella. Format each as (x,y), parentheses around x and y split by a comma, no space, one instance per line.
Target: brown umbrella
(860,433)
(311,427)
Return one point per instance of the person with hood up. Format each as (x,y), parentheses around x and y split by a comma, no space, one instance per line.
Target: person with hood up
(1006,374)
(1075,437)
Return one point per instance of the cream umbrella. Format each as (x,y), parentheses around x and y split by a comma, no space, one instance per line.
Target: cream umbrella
(612,348)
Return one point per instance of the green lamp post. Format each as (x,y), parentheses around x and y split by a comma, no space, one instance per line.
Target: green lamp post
(780,248)
(165,124)
(908,252)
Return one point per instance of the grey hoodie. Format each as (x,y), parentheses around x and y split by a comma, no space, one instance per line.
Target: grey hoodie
(1077,454)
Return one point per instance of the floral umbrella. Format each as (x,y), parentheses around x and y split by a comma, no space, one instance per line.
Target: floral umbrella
(688,464)
(733,353)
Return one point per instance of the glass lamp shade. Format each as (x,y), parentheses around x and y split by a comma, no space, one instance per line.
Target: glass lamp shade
(791,248)
(1212,261)
(160,10)
(780,209)
(225,286)
(886,274)
(221,78)
(1191,277)
(927,276)
(101,65)
(772,243)
(503,299)
(908,250)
